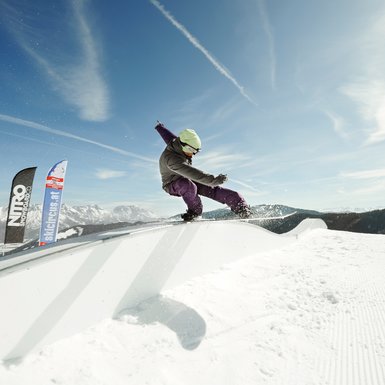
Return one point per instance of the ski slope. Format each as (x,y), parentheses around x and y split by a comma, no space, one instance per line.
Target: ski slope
(302,308)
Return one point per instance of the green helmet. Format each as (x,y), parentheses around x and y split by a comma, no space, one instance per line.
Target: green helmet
(190,138)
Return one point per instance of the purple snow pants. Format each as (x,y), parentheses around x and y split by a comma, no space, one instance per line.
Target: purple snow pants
(190,192)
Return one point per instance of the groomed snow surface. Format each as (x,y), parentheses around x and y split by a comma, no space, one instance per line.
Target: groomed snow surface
(310,313)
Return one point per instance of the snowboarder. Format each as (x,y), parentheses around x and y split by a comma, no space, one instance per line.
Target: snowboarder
(180,178)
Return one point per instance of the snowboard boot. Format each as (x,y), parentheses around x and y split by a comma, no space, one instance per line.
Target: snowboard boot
(190,216)
(243,211)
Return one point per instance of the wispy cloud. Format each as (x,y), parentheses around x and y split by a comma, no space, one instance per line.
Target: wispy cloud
(368,190)
(221,160)
(247,186)
(194,41)
(338,123)
(270,39)
(109,174)
(369,96)
(78,78)
(43,128)
(366,174)
(367,90)
(192,110)
(197,112)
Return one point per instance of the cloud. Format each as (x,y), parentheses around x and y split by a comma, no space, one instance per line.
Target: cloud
(247,186)
(221,160)
(77,77)
(338,123)
(368,190)
(369,95)
(109,174)
(270,39)
(367,90)
(367,174)
(194,41)
(40,127)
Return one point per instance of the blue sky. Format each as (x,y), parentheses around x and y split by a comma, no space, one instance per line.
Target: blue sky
(288,97)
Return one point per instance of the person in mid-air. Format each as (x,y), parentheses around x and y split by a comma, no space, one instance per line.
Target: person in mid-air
(180,178)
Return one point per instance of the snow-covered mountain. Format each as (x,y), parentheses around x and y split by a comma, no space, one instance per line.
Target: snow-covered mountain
(274,217)
(94,214)
(82,215)
(259,211)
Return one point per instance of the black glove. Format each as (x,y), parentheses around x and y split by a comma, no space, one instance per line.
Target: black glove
(220,179)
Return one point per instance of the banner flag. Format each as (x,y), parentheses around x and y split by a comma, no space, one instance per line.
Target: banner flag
(19,199)
(52,203)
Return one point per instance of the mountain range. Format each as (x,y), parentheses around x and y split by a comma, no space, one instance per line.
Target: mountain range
(81,215)
(281,218)
(78,221)
(370,222)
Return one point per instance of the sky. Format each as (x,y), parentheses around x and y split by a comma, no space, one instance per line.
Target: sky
(288,99)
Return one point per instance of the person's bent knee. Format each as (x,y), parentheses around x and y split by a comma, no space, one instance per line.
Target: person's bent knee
(185,186)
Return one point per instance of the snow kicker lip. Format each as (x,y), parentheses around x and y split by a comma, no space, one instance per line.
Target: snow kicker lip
(66,289)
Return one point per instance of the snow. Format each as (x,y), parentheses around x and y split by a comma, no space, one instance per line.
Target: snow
(74,284)
(309,313)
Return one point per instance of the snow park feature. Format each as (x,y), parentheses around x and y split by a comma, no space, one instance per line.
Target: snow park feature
(66,288)
(176,304)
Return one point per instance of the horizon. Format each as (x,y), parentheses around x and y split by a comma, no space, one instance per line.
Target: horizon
(289,99)
(340,210)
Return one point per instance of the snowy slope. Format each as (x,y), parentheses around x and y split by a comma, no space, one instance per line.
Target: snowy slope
(72,285)
(308,313)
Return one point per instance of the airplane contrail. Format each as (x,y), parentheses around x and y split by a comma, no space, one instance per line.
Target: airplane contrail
(270,39)
(77,78)
(194,41)
(41,127)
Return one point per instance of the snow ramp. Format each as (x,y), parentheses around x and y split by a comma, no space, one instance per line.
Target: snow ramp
(53,292)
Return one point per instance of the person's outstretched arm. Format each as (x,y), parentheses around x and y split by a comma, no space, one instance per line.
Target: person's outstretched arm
(165,133)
